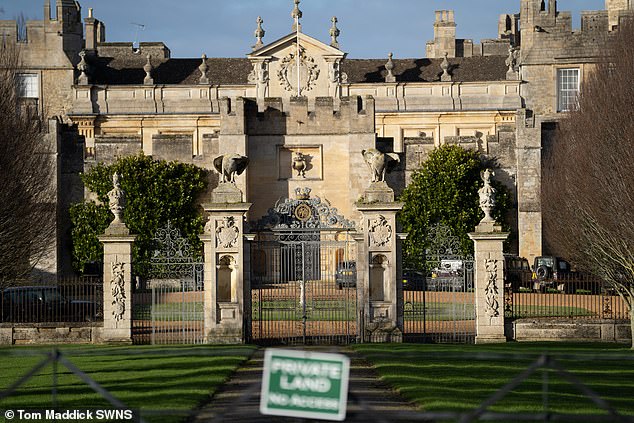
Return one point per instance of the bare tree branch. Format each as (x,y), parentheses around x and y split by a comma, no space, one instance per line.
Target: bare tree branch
(27,187)
(589,174)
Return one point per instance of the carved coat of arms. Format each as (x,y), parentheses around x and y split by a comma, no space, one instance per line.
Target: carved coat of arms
(380,232)
(287,74)
(227,233)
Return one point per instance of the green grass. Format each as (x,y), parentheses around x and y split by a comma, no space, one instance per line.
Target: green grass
(193,311)
(180,377)
(290,310)
(549,311)
(459,378)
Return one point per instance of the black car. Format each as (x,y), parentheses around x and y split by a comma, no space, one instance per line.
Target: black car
(45,304)
(551,272)
(346,275)
(414,280)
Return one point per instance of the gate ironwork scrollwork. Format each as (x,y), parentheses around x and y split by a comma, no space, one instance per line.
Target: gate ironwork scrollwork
(174,257)
(303,274)
(438,294)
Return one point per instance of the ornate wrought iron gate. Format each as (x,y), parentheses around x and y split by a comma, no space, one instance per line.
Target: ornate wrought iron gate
(438,296)
(303,275)
(167,308)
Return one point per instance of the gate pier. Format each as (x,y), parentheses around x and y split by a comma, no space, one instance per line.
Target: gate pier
(379,267)
(225,259)
(117,272)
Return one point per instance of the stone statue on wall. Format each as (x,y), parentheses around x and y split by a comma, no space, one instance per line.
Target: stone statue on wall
(487,196)
(229,165)
(380,163)
(300,164)
(116,199)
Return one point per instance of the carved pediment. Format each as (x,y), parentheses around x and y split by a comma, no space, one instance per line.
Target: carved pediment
(279,47)
(318,67)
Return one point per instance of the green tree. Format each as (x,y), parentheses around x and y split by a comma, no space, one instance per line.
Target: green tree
(445,190)
(156,191)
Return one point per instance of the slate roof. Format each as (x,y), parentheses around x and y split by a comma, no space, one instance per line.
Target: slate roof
(128,70)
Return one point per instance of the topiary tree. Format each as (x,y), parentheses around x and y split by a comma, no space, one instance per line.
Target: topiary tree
(156,191)
(445,190)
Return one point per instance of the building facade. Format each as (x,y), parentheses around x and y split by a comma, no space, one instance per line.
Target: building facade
(301,96)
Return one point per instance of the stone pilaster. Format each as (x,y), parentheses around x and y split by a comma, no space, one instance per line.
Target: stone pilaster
(489,282)
(225,263)
(378,265)
(117,290)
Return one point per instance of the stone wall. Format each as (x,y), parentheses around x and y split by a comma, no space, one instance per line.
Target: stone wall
(43,333)
(567,330)
(332,139)
(109,147)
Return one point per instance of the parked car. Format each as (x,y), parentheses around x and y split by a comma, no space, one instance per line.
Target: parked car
(414,280)
(346,275)
(45,304)
(549,272)
(517,273)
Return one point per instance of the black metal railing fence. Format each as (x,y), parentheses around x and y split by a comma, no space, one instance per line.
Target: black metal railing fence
(67,300)
(572,296)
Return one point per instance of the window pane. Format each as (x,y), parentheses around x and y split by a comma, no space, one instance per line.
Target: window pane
(567,89)
(28,86)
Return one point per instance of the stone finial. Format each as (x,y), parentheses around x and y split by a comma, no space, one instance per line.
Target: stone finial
(90,14)
(148,68)
(117,200)
(487,196)
(334,33)
(389,66)
(82,67)
(203,71)
(296,15)
(445,77)
(511,62)
(259,33)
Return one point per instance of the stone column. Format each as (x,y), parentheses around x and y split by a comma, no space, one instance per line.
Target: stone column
(117,273)
(378,265)
(488,241)
(225,263)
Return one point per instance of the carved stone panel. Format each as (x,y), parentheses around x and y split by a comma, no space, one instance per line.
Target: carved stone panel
(308,71)
(380,232)
(301,162)
(117,290)
(227,233)
(491,292)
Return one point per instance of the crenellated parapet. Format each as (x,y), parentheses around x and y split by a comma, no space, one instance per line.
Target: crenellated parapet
(301,116)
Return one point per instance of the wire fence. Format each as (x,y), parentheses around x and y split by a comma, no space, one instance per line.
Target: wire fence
(548,365)
(573,296)
(65,300)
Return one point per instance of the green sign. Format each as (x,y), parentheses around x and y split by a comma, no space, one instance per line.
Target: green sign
(305,384)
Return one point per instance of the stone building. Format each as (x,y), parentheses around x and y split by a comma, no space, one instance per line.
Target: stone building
(501,97)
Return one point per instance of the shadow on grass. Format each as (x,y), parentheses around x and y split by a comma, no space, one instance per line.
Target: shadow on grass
(180,378)
(460,377)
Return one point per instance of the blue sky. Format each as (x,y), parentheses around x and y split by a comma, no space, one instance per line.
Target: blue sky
(221,28)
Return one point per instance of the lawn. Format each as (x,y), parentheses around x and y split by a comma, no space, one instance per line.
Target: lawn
(459,378)
(149,378)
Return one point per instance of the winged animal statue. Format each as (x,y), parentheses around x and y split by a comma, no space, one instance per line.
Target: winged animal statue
(229,165)
(380,163)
